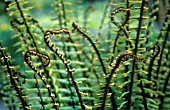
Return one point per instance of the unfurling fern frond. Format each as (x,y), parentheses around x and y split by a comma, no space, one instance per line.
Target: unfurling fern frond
(121,63)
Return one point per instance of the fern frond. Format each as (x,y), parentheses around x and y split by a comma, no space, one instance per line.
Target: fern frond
(13,79)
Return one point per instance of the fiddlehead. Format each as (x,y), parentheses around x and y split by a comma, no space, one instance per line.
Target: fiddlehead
(116,65)
(33,52)
(79,30)
(120,26)
(120,9)
(27,57)
(152,61)
(65,61)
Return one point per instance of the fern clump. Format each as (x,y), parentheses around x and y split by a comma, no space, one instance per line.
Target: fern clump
(123,64)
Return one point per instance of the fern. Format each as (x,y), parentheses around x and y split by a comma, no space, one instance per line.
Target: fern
(123,64)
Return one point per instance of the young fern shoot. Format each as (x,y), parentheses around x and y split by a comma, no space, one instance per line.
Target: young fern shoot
(65,61)
(27,57)
(79,30)
(118,61)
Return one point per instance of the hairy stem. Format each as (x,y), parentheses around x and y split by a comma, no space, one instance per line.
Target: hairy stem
(64,60)
(118,61)
(8,66)
(75,26)
(135,53)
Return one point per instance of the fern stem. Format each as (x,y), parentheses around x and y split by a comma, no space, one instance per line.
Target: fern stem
(112,98)
(34,43)
(64,86)
(28,60)
(12,23)
(143,92)
(162,50)
(39,92)
(115,42)
(164,90)
(28,30)
(109,80)
(64,50)
(127,3)
(65,24)
(118,61)
(27,27)
(135,53)
(72,94)
(82,66)
(25,23)
(121,27)
(152,63)
(79,58)
(7,63)
(127,43)
(75,26)
(36,23)
(70,39)
(64,60)
(61,26)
